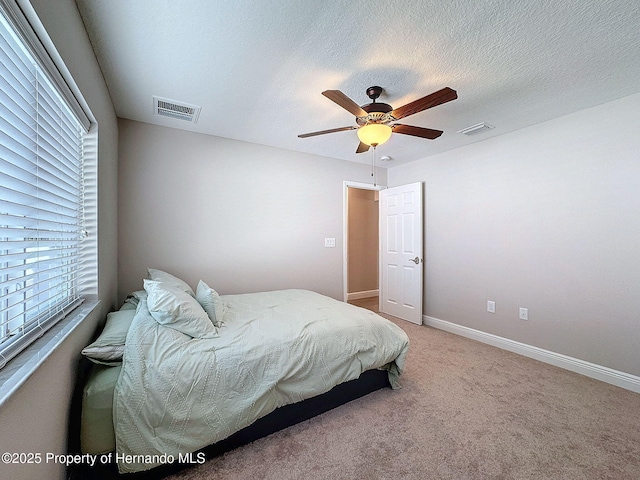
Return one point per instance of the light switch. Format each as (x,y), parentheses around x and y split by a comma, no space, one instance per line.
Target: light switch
(491,306)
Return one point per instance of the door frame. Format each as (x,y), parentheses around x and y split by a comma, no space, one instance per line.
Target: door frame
(345,230)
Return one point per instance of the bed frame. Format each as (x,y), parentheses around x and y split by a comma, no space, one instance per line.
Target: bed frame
(279,419)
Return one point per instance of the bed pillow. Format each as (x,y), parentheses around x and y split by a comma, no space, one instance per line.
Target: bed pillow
(168,279)
(172,307)
(133,299)
(109,346)
(211,302)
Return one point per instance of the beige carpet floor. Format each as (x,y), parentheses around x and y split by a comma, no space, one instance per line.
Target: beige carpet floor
(466,411)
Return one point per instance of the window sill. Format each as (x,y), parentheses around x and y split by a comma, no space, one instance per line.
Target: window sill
(19,369)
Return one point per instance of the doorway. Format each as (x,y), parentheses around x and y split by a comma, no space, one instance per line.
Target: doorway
(361,240)
(399,242)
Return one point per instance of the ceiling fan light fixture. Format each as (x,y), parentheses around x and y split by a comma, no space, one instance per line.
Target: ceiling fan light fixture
(374,134)
(376,120)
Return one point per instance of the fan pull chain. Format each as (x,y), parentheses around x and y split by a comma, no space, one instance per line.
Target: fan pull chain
(373,166)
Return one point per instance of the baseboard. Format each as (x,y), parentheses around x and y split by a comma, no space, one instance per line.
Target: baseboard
(363,294)
(605,374)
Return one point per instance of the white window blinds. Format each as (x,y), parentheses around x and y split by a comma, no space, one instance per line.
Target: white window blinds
(41,192)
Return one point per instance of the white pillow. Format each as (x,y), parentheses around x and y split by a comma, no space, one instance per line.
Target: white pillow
(168,279)
(211,302)
(109,346)
(174,308)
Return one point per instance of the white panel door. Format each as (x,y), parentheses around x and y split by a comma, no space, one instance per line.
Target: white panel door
(401,246)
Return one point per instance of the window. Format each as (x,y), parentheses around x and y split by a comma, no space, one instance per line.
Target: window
(41,191)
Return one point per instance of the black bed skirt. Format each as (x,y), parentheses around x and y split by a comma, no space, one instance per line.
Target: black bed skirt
(279,419)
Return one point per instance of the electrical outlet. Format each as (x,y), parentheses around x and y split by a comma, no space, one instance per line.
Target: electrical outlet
(330,242)
(491,306)
(523,313)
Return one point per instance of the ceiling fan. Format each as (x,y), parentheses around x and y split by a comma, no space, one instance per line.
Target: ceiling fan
(377,120)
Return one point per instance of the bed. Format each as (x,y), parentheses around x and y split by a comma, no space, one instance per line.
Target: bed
(196,369)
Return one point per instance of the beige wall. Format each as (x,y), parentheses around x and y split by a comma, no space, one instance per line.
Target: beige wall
(241,216)
(546,218)
(362,240)
(35,419)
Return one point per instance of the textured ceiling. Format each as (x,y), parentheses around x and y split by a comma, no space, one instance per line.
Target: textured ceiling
(257,68)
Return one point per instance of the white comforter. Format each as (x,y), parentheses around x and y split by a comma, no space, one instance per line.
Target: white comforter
(177,394)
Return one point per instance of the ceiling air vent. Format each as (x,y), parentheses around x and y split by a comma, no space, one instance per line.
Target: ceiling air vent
(477,128)
(173,109)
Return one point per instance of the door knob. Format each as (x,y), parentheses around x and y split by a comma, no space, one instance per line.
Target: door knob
(415,260)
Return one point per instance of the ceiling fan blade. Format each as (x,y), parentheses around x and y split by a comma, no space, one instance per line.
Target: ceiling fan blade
(416,131)
(345,102)
(322,132)
(363,147)
(432,100)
